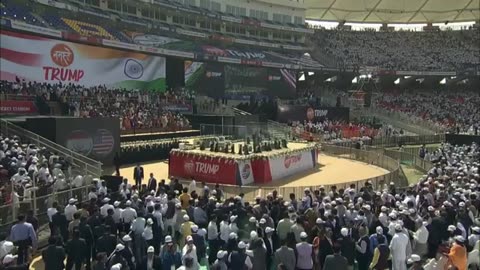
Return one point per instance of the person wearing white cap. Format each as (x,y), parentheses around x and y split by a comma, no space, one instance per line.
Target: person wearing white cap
(374,238)
(147,233)
(150,261)
(304,253)
(199,242)
(220,262)
(137,228)
(474,237)
(8,262)
(117,266)
(185,229)
(70,209)
(106,205)
(420,238)
(224,229)
(233,224)
(190,251)
(415,261)
(238,259)
(399,247)
(212,237)
(128,215)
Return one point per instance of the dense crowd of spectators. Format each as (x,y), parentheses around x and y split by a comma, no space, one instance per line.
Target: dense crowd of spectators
(136,109)
(24,169)
(439,51)
(457,112)
(433,224)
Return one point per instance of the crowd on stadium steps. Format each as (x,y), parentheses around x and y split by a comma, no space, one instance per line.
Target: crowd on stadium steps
(441,50)
(458,112)
(433,224)
(136,109)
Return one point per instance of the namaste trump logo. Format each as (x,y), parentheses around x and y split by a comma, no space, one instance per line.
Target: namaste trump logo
(189,167)
(62,55)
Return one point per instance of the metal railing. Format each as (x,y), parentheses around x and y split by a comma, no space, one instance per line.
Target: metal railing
(401,120)
(394,175)
(79,163)
(40,200)
(233,131)
(397,141)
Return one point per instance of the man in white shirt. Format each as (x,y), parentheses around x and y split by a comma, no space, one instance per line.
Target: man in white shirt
(105,207)
(78,181)
(398,248)
(70,209)
(52,211)
(190,251)
(117,214)
(103,188)
(420,238)
(304,253)
(212,237)
(128,215)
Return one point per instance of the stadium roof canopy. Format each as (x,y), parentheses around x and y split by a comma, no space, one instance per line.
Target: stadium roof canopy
(393,11)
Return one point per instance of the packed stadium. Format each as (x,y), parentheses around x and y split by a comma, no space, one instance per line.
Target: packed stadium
(240,135)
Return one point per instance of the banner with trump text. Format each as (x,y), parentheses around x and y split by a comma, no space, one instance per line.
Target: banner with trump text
(40,59)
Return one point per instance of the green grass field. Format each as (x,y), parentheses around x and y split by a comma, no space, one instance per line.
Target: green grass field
(411,173)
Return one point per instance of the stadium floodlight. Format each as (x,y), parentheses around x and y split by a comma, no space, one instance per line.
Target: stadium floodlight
(311,73)
(453,77)
(355,80)
(420,80)
(407,77)
(443,81)
(369,75)
(302,77)
(397,81)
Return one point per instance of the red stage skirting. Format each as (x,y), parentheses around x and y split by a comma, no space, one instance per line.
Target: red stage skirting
(261,169)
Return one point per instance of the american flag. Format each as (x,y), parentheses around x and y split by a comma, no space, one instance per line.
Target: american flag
(103,142)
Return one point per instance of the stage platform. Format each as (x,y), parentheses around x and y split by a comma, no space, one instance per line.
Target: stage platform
(146,135)
(236,169)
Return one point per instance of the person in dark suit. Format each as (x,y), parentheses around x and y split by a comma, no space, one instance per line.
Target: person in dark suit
(335,261)
(150,259)
(107,242)
(138,175)
(325,246)
(269,245)
(87,234)
(53,256)
(76,251)
(60,225)
(152,183)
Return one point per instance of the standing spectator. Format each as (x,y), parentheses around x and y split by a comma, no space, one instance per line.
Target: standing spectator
(53,256)
(286,256)
(76,250)
(304,252)
(335,261)
(381,255)
(151,261)
(398,248)
(138,175)
(23,236)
